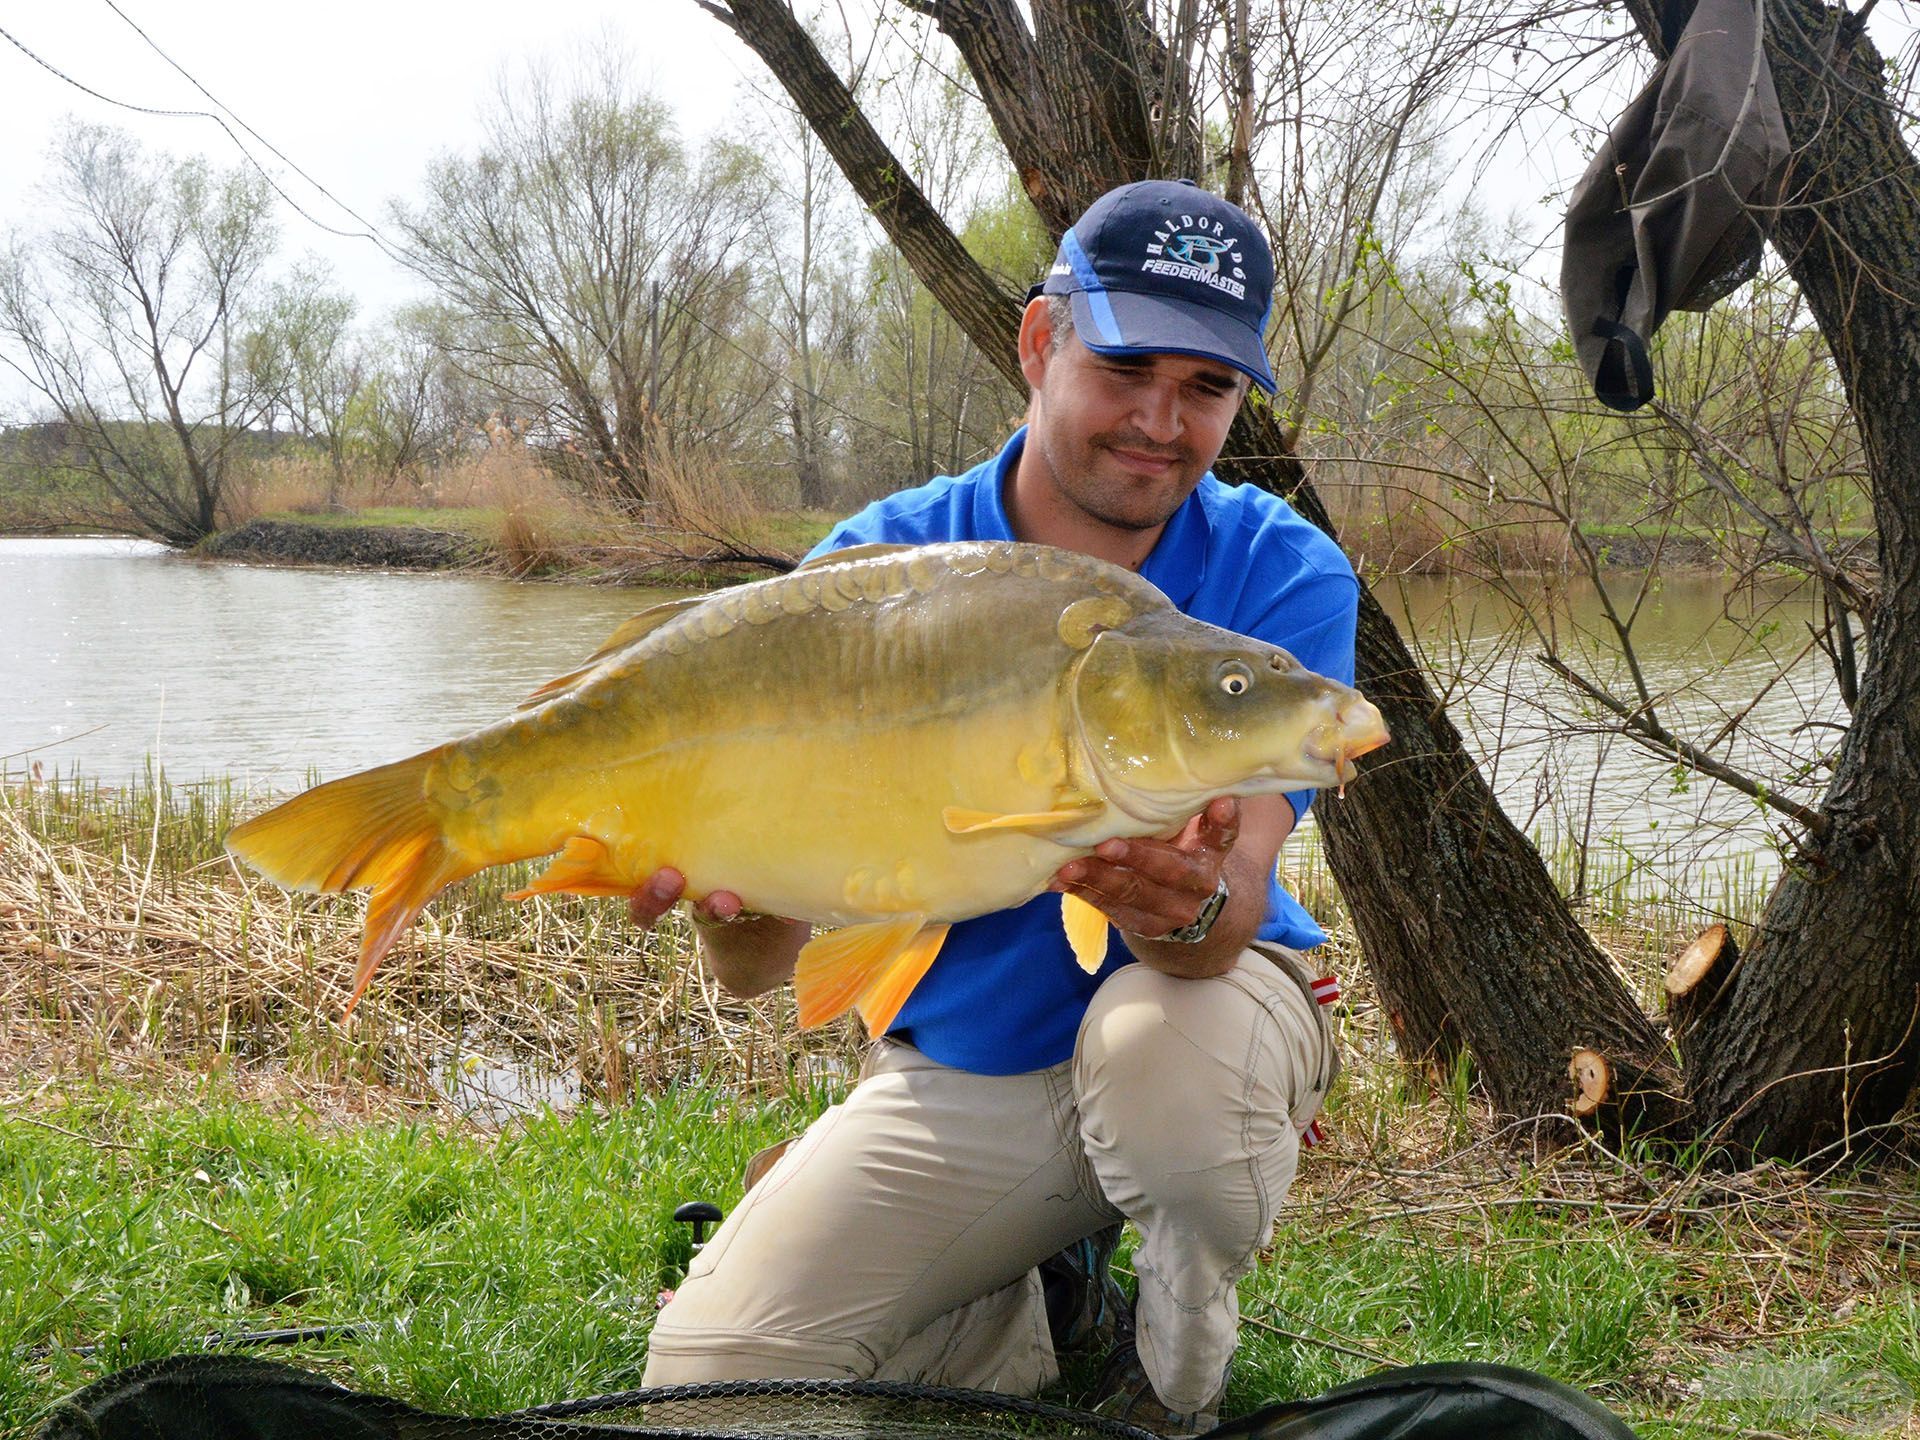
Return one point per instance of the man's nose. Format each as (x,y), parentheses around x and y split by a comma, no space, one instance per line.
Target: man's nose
(1157,412)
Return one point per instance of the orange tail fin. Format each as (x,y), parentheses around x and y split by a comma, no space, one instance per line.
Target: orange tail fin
(371,830)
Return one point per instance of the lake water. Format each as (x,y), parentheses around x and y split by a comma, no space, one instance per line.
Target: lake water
(115,651)
(117,654)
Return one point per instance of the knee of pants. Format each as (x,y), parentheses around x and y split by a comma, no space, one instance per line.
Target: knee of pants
(696,1353)
(1185,1091)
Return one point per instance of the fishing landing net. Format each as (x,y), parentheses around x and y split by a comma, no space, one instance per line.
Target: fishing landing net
(237,1397)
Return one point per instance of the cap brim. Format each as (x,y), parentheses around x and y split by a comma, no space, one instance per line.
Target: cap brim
(1124,323)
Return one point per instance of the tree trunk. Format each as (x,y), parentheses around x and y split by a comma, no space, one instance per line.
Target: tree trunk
(1816,1038)
(1466,936)
(1468,940)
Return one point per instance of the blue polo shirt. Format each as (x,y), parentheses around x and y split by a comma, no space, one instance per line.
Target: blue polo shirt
(1005,996)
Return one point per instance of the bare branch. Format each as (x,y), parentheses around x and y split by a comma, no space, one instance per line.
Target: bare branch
(1643,727)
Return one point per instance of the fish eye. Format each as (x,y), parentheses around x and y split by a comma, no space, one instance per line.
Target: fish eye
(1235,678)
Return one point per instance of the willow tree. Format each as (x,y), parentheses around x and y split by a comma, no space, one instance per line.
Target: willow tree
(127,320)
(596,268)
(1469,942)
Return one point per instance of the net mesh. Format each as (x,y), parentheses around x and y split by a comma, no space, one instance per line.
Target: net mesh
(235,1397)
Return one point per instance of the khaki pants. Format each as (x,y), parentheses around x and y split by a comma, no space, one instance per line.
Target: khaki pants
(897,1239)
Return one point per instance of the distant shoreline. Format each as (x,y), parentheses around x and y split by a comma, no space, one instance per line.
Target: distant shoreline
(378,547)
(415,547)
(283,541)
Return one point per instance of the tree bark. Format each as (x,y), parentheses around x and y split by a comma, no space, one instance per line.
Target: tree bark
(1470,943)
(1816,1038)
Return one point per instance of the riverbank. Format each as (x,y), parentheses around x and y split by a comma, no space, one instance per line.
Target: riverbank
(490,542)
(584,547)
(383,547)
(612,550)
(480,1168)
(481,1271)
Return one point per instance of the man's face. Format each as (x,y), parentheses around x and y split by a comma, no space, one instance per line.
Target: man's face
(1124,439)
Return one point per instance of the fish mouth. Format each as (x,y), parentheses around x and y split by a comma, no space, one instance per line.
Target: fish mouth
(1356,729)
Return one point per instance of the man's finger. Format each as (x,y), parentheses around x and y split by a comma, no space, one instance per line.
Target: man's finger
(1219,824)
(1141,920)
(1157,862)
(719,907)
(1157,888)
(659,894)
(1143,910)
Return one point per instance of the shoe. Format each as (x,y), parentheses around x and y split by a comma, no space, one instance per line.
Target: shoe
(1124,1393)
(763,1161)
(1087,1311)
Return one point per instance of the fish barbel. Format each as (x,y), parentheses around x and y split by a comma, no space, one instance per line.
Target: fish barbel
(887,740)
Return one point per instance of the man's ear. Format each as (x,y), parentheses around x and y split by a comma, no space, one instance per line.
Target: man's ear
(1036,340)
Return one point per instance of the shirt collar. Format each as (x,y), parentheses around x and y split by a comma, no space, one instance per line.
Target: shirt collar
(1177,564)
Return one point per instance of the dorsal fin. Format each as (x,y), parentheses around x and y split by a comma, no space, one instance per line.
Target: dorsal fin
(853,552)
(645,623)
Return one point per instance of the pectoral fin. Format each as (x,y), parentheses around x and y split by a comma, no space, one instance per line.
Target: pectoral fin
(864,965)
(1087,928)
(961,821)
(584,867)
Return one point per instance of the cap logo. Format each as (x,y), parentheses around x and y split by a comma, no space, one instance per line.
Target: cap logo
(1192,249)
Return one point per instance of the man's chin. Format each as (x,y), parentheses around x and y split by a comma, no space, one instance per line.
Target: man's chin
(1141,502)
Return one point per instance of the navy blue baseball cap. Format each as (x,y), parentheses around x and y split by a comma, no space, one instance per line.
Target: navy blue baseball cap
(1164,267)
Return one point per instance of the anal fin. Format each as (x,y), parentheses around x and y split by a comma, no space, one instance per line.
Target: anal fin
(584,867)
(1087,930)
(837,970)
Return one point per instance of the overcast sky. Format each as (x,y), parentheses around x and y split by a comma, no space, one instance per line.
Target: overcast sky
(362,95)
(359,95)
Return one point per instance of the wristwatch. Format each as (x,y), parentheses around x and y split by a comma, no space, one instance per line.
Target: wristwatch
(1196,931)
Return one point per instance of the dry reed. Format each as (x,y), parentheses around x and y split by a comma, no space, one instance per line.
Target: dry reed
(308,485)
(126,934)
(1415,515)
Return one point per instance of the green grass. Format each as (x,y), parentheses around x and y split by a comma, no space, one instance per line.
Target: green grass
(494,1271)
(1588,1298)
(794,532)
(488,1272)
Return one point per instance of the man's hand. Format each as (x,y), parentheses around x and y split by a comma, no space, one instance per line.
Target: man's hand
(748,954)
(1150,887)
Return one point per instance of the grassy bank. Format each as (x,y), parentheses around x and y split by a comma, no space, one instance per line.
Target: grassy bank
(191,1142)
(486,1271)
(506,512)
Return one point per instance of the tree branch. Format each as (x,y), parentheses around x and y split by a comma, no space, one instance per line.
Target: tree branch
(1645,728)
(989,315)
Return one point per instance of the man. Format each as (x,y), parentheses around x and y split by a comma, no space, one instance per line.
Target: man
(1018,1106)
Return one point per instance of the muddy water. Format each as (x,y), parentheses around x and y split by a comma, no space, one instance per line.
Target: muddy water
(114,652)
(117,654)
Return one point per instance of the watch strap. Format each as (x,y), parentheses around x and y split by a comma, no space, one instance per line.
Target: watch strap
(1201,925)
